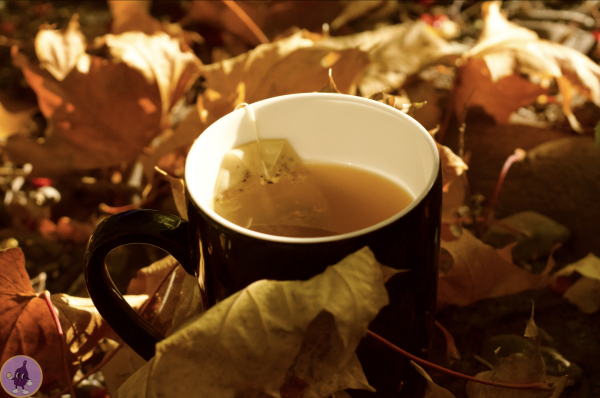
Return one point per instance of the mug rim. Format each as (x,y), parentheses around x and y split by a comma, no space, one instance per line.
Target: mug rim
(286,239)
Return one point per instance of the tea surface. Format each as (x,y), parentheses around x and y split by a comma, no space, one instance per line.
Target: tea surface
(331,199)
(356,198)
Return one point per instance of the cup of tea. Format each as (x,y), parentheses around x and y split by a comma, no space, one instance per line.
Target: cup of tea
(323,129)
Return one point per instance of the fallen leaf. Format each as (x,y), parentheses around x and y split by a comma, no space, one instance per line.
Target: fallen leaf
(286,327)
(292,65)
(149,278)
(534,233)
(131,16)
(433,390)
(13,122)
(489,75)
(585,292)
(452,166)
(179,299)
(353,10)
(120,367)
(479,271)
(27,326)
(101,112)
(525,368)
(399,51)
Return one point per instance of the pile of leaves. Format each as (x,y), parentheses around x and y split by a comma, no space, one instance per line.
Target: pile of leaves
(93,99)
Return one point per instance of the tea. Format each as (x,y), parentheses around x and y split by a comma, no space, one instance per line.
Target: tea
(342,199)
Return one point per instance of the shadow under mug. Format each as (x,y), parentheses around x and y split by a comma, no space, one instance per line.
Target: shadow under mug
(226,258)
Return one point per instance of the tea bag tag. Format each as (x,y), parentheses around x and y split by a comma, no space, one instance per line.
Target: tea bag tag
(255,126)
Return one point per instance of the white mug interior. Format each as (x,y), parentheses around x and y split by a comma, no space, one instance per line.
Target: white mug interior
(325,128)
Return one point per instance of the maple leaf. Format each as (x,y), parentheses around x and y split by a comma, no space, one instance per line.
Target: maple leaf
(525,368)
(585,292)
(489,74)
(101,112)
(302,333)
(27,326)
(479,271)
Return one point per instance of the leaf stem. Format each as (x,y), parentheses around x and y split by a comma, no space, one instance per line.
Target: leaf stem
(515,157)
(63,347)
(532,386)
(247,20)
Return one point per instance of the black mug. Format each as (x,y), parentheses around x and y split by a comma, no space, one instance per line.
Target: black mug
(226,258)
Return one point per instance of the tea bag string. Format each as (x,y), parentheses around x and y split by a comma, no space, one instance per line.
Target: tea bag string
(253,117)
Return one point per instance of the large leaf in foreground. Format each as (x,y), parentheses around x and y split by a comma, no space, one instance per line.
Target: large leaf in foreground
(272,337)
(27,327)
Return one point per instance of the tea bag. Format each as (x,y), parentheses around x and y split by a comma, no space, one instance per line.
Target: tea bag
(263,186)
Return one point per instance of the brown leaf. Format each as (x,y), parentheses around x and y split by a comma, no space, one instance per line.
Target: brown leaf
(479,271)
(504,50)
(131,16)
(27,326)
(452,166)
(499,98)
(399,51)
(292,65)
(353,10)
(101,112)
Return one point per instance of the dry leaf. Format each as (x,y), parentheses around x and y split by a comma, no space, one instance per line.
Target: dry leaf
(585,292)
(433,390)
(452,166)
(354,9)
(28,328)
(479,272)
(287,327)
(489,74)
(292,65)
(525,368)
(120,367)
(132,16)
(399,51)
(13,122)
(101,112)
(179,299)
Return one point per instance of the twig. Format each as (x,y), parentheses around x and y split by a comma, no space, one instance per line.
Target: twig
(111,354)
(247,20)
(46,295)
(531,386)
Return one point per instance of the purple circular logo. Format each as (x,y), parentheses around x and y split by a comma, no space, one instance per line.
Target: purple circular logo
(21,376)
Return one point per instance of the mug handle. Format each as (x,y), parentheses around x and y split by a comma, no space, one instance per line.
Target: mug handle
(151,227)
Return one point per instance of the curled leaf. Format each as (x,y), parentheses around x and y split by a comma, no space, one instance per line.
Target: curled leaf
(302,333)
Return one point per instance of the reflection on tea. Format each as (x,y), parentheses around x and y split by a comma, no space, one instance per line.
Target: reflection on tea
(277,194)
